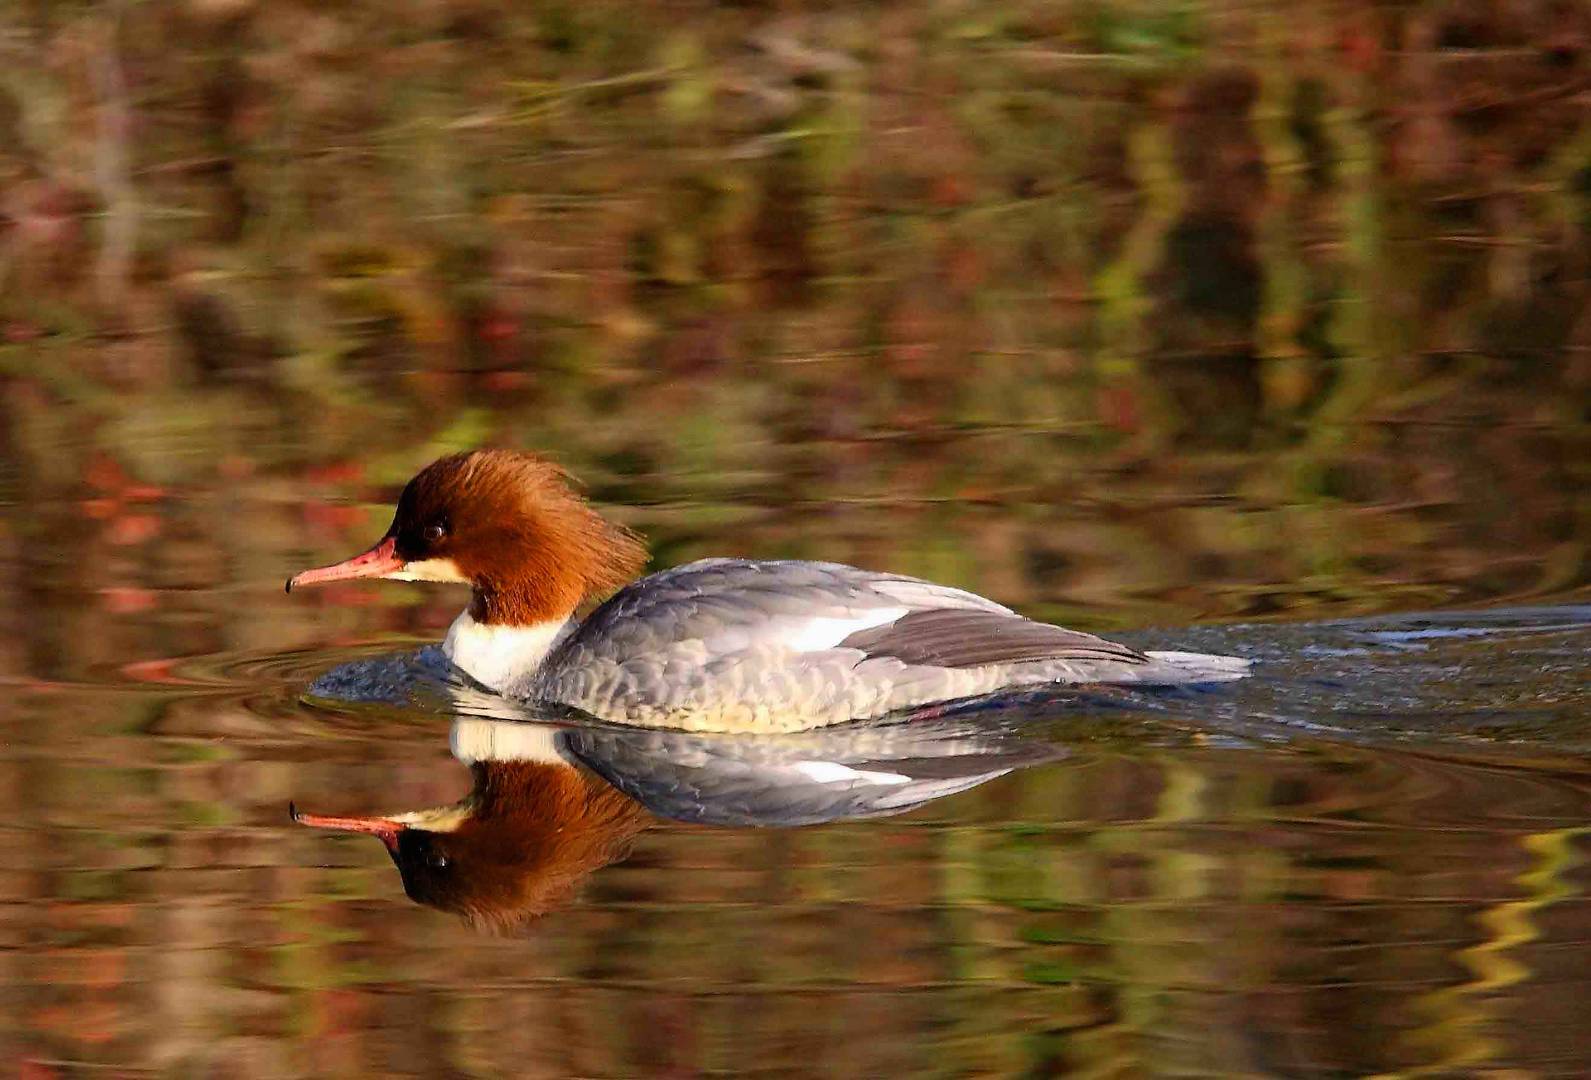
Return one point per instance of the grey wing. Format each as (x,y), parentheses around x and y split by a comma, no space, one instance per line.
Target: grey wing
(732,644)
(730,605)
(729,590)
(940,654)
(757,639)
(951,638)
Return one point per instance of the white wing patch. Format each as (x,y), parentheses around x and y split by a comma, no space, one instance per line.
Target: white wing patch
(819,633)
(832,772)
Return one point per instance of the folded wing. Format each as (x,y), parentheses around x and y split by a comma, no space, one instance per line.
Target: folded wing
(966,638)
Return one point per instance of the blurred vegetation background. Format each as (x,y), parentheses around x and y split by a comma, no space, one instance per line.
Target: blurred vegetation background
(1122,311)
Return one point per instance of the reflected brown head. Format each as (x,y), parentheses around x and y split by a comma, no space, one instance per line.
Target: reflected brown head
(517,847)
(508,523)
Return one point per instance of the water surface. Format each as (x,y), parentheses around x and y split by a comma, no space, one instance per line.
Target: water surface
(1369,858)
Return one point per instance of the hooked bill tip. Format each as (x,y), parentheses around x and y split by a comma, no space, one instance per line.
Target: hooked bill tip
(292,810)
(288,588)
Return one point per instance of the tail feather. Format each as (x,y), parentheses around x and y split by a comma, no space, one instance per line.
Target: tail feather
(1203,667)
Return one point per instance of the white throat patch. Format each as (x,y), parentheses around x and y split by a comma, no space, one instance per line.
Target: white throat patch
(428,570)
(501,657)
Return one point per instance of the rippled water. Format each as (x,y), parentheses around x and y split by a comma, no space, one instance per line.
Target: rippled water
(1370,858)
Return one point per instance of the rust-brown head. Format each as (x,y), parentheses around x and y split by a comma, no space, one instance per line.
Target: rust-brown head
(517,847)
(508,523)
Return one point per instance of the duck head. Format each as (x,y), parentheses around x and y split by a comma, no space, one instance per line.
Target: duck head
(507,523)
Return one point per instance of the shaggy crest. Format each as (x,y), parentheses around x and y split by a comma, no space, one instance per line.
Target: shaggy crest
(517,529)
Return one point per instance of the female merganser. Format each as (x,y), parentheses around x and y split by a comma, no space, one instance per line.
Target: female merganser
(715,645)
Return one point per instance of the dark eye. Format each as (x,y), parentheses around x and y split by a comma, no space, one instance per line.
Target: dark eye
(434,532)
(436,860)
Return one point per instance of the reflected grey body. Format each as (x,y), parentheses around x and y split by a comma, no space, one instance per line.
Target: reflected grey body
(861,770)
(739,645)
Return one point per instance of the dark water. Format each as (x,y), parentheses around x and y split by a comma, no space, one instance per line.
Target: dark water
(1370,858)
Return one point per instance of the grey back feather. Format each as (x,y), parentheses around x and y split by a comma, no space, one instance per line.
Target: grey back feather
(736,645)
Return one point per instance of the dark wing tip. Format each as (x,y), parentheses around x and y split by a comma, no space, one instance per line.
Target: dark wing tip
(961,638)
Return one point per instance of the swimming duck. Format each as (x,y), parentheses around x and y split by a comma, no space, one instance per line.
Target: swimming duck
(715,645)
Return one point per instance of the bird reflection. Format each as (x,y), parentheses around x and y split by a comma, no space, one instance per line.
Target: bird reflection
(552,804)
(532,827)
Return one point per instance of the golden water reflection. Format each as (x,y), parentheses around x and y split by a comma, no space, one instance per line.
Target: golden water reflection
(1158,906)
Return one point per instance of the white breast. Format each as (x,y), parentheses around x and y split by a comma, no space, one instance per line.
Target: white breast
(501,657)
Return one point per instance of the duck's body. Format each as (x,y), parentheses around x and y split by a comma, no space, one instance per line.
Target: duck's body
(738,645)
(721,644)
